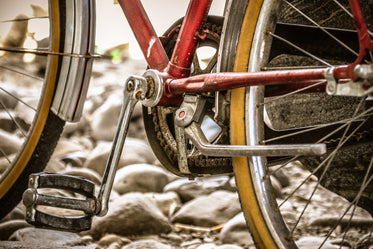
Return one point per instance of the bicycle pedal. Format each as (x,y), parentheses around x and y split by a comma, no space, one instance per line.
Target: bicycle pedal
(33,200)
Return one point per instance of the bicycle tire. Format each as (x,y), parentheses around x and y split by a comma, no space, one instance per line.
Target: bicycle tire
(259,205)
(46,127)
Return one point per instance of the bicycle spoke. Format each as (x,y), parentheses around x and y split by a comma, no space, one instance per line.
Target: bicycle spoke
(45,52)
(320,27)
(306,114)
(343,8)
(5,155)
(300,49)
(343,140)
(294,92)
(343,122)
(18,99)
(364,186)
(357,199)
(334,153)
(341,143)
(24,19)
(21,72)
(12,118)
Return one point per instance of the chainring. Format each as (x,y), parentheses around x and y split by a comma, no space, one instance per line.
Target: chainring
(159,121)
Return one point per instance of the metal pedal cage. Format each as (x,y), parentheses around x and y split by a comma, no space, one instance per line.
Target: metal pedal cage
(32,198)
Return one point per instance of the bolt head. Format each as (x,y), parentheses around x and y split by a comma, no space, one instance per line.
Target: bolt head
(331,88)
(181,114)
(130,85)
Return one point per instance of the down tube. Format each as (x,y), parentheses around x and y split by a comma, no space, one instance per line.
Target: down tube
(145,34)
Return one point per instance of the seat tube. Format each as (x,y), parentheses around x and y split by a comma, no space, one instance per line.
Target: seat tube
(145,34)
(182,57)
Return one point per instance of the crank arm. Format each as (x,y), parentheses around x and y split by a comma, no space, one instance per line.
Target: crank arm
(147,89)
(195,134)
(129,103)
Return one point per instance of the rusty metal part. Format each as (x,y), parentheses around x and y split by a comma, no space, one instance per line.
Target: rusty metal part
(32,199)
(159,120)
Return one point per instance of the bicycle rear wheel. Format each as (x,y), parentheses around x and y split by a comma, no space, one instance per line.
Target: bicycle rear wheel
(29,77)
(257,118)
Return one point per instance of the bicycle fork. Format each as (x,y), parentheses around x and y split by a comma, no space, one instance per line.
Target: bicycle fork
(147,89)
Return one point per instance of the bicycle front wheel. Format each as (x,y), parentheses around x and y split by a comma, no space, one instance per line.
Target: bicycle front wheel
(327,195)
(32,64)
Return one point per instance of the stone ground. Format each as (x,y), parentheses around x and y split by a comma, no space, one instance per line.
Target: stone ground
(150,207)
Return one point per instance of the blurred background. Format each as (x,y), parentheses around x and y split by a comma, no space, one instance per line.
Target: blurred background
(111,27)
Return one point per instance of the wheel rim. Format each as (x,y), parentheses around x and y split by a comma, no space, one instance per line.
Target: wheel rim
(254,115)
(250,205)
(10,176)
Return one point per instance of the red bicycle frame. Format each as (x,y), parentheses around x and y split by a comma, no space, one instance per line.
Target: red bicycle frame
(176,70)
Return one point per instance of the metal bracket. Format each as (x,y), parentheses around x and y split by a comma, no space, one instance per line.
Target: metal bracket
(190,110)
(188,118)
(360,88)
(195,134)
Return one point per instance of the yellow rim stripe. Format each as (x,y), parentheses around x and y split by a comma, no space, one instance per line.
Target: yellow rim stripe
(34,137)
(241,165)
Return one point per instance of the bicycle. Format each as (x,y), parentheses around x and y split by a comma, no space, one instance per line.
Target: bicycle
(304,101)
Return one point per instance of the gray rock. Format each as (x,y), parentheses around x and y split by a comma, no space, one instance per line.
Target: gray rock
(135,151)
(6,122)
(75,159)
(191,244)
(7,228)
(6,98)
(229,246)
(168,202)
(25,114)
(105,118)
(131,214)
(146,244)
(40,245)
(9,143)
(35,236)
(4,162)
(232,183)
(18,213)
(85,173)
(190,189)
(54,166)
(17,33)
(109,239)
(281,176)
(211,210)
(76,127)
(276,187)
(67,146)
(140,178)
(235,231)
(207,246)
(315,242)
(174,237)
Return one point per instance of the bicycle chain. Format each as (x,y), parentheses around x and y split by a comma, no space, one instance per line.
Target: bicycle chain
(195,162)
